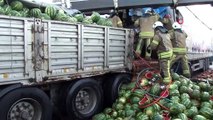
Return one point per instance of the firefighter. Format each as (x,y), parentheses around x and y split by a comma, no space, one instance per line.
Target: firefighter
(179,48)
(116,21)
(167,22)
(162,43)
(146,32)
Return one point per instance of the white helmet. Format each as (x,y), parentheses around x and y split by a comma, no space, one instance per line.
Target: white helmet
(176,25)
(157,24)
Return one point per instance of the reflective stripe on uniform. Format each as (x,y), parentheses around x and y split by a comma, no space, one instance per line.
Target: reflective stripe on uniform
(146,34)
(155,42)
(179,50)
(167,54)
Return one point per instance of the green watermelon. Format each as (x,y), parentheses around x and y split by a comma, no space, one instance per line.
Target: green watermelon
(177,108)
(114,114)
(7,9)
(62,17)
(129,113)
(175,99)
(174,93)
(142,116)
(135,100)
(17,5)
(186,102)
(184,82)
(131,85)
(79,17)
(156,107)
(2,12)
(199,117)
(87,21)
(191,112)
(35,12)
(95,17)
(183,89)
(149,111)
(108,110)
(100,116)
(128,106)
(173,87)
(205,96)
(15,13)
(202,86)
(206,104)
(196,94)
(182,116)
(195,102)
(138,93)
(119,106)
(121,93)
(108,23)
(206,112)
(122,100)
(51,11)
(155,89)
(127,94)
(44,16)
(1,2)
(175,76)
(157,116)
(178,83)
(101,21)
(72,20)
(196,87)
(135,107)
(185,96)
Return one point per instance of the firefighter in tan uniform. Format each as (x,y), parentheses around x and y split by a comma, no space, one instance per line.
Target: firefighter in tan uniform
(146,31)
(116,21)
(167,22)
(179,48)
(161,41)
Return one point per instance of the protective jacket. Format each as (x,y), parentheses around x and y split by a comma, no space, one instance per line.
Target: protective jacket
(116,21)
(145,23)
(161,42)
(178,38)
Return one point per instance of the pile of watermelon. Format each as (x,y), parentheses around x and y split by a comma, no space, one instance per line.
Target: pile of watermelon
(148,100)
(18,9)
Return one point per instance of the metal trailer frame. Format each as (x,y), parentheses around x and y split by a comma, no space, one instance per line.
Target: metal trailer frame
(92,5)
(37,52)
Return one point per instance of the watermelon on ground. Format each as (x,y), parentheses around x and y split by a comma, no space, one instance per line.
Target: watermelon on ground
(17,5)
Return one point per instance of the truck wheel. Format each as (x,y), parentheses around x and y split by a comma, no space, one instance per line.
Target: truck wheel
(84,99)
(112,87)
(25,104)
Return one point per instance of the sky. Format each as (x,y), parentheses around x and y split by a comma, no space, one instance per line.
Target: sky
(198,33)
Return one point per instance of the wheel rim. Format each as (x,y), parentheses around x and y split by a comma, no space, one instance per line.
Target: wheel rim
(25,109)
(86,100)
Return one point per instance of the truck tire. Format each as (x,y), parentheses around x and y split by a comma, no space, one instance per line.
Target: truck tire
(84,99)
(112,86)
(27,103)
